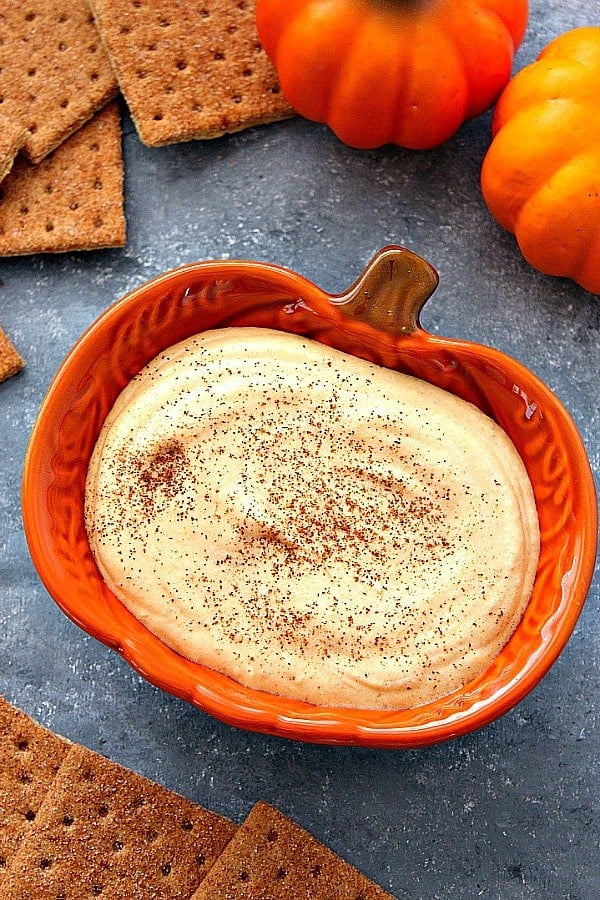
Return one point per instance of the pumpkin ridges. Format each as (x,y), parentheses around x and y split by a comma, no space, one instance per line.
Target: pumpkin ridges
(559,225)
(539,82)
(492,46)
(529,149)
(580,44)
(432,87)
(541,175)
(271,16)
(353,90)
(587,276)
(418,127)
(306,65)
(513,16)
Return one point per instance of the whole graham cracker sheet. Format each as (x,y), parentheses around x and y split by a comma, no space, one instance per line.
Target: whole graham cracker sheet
(54,71)
(73,199)
(190,70)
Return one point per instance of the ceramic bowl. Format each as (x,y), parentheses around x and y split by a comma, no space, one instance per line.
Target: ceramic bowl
(377,319)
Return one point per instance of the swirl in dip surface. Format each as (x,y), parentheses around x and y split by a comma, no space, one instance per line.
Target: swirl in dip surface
(311,524)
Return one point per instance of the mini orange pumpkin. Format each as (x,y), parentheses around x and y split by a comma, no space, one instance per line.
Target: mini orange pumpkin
(408,72)
(541,175)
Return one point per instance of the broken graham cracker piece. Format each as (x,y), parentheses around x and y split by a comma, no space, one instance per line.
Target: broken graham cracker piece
(190,71)
(272,857)
(12,138)
(10,363)
(72,200)
(106,831)
(54,71)
(30,757)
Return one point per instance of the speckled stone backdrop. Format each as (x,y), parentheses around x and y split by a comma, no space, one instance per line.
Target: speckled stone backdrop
(508,812)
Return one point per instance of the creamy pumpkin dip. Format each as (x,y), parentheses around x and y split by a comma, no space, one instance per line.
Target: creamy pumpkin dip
(311,524)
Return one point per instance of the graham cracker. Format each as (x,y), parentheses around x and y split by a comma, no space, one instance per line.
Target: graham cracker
(30,757)
(10,363)
(190,70)
(54,71)
(72,200)
(12,138)
(105,831)
(272,857)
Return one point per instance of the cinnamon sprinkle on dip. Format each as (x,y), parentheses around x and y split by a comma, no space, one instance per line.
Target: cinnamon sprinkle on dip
(311,524)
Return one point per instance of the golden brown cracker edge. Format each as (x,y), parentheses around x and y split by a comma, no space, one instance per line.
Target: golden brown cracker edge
(12,138)
(11,361)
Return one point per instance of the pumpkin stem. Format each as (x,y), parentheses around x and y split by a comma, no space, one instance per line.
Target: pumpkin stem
(391,292)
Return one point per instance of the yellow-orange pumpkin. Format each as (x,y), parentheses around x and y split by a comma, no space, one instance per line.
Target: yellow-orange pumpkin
(541,175)
(392,71)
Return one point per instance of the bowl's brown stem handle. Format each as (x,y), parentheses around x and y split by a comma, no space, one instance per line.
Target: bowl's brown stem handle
(391,292)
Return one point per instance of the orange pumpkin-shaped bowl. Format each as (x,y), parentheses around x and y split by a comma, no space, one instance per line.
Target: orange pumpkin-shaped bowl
(377,319)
